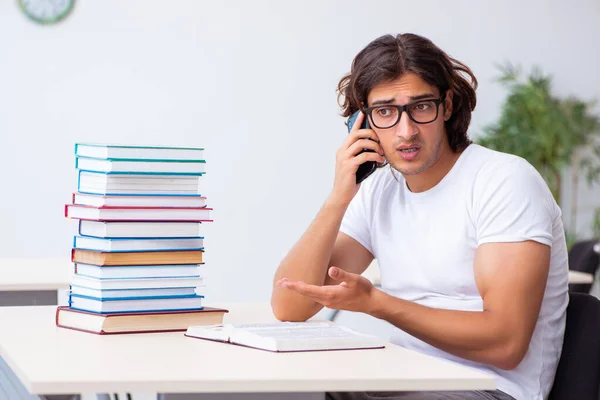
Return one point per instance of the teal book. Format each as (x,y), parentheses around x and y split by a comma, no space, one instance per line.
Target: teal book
(140,166)
(116,152)
(137,184)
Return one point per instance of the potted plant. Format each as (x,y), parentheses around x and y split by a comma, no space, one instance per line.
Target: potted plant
(551,133)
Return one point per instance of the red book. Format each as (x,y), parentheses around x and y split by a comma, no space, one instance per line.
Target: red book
(139,322)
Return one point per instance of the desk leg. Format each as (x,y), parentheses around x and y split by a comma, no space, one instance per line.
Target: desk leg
(11,387)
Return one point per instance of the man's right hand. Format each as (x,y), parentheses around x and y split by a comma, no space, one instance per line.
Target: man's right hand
(323,244)
(348,159)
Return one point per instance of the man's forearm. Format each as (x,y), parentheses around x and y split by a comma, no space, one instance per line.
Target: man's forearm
(307,261)
(473,335)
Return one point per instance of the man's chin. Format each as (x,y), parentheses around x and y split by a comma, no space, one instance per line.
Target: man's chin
(408,170)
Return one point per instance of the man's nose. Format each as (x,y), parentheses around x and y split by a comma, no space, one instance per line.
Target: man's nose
(405,128)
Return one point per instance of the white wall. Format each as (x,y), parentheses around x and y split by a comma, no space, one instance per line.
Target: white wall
(252,81)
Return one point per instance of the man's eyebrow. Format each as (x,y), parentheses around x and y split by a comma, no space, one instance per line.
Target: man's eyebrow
(383,101)
(412,98)
(422,96)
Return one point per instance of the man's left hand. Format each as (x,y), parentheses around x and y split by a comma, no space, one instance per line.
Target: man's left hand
(353,293)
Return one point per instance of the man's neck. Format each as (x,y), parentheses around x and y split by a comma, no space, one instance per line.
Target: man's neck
(434,174)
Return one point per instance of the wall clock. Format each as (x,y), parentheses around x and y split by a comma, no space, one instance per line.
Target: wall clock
(46,11)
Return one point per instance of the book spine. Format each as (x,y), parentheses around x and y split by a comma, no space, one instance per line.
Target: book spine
(56,315)
(160,250)
(144,173)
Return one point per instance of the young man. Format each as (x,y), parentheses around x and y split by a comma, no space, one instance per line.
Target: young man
(469,241)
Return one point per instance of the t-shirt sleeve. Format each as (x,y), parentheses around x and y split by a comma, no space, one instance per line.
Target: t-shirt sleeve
(357,219)
(512,203)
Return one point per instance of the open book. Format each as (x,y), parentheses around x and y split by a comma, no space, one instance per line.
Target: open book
(288,336)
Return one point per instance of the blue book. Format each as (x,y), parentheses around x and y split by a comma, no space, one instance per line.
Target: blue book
(132,245)
(116,305)
(131,293)
(140,166)
(138,271)
(138,184)
(136,283)
(139,229)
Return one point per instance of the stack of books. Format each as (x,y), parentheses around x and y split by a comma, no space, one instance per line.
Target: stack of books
(138,252)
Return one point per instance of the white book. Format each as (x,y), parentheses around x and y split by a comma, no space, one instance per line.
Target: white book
(142,229)
(141,283)
(136,184)
(125,293)
(148,244)
(138,271)
(95,200)
(288,336)
(138,152)
(140,166)
(137,214)
(132,305)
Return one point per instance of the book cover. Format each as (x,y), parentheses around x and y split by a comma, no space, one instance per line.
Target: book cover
(137,283)
(137,184)
(140,166)
(137,271)
(140,229)
(106,213)
(117,305)
(139,201)
(127,293)
(117,151)
(131,323)
(137,257)
(135,244)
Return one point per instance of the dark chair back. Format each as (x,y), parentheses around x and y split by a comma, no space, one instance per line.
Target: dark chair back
(584,256)
(578,373)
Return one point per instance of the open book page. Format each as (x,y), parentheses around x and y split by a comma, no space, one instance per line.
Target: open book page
(289,336)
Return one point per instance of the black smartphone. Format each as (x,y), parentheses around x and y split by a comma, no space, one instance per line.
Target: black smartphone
(367,168)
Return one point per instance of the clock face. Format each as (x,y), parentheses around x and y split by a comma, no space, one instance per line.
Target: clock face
(46,11)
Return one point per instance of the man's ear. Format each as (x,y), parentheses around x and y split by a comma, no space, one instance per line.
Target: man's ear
(448,105)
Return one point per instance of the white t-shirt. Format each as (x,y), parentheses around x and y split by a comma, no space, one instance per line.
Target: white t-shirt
(425,245)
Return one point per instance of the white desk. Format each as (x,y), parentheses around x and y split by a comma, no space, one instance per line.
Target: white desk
(580,277)
(51,360)
(33,281)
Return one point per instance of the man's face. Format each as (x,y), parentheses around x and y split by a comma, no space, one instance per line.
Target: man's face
(409,147)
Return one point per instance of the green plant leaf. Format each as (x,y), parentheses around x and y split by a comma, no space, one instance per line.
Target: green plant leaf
(542,128)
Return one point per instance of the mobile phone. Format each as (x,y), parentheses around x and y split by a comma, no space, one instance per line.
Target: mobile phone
(365,169)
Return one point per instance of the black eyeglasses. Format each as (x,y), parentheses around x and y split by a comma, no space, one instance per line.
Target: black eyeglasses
(421,112)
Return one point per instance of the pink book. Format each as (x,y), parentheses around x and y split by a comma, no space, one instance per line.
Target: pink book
(109,213)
